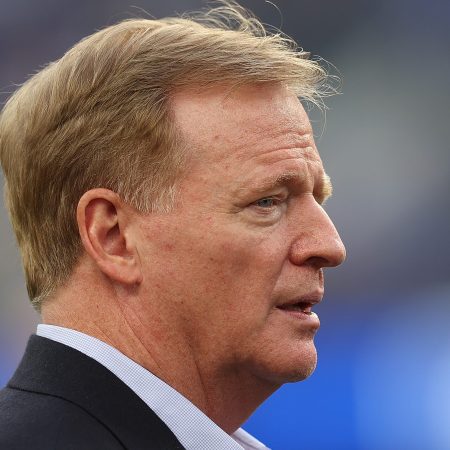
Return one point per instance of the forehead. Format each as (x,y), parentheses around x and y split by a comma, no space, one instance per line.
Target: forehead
(221,122)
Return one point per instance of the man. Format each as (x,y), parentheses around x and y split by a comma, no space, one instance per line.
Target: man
(165,189)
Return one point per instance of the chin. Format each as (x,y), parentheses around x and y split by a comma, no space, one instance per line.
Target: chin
(301,371)
(290,367)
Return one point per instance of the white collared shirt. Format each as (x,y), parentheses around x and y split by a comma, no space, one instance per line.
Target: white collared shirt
(192,427)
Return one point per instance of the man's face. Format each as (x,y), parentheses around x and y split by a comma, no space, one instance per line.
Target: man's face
(238,262)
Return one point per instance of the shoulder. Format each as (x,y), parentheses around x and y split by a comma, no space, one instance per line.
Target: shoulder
(39,421)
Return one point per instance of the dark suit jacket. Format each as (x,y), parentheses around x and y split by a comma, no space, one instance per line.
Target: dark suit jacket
(60,399)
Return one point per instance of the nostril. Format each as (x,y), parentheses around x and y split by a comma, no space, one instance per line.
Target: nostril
(318,262)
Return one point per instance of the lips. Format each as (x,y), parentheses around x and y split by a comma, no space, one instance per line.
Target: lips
(301,307)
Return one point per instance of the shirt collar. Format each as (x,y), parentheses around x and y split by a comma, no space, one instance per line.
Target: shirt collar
(191,426)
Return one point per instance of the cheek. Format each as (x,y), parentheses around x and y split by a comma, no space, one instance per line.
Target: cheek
(228,268)
(238,277)
(243,258)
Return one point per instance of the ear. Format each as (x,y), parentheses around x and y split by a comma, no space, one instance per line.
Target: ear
(104,223)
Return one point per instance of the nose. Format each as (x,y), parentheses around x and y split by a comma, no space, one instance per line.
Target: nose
(317,241)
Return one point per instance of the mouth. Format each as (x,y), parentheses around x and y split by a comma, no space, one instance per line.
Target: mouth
(301,308)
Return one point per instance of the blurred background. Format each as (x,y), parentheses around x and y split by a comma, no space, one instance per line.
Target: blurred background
(383,378)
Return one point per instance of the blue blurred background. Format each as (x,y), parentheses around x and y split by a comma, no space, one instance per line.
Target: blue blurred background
(383,378)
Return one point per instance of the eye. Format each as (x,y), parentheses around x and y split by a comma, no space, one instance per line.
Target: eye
(269,210)
(267,202)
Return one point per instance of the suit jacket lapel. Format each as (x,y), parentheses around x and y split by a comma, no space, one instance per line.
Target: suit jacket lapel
(52,368)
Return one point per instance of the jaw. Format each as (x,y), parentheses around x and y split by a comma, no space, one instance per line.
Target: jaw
(288,364)
(245,386)
(280,351)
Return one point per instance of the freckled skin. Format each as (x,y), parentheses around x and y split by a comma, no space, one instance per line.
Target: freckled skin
(229,265)
(192,295)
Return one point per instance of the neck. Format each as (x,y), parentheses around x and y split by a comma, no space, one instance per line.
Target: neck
(144,334)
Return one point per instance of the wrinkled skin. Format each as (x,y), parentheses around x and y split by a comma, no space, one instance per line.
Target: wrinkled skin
(238,245)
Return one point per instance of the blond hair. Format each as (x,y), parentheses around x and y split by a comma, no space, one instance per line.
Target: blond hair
(100,117)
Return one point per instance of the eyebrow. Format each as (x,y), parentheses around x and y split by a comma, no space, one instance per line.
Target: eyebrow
(322,190)
(326,188)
